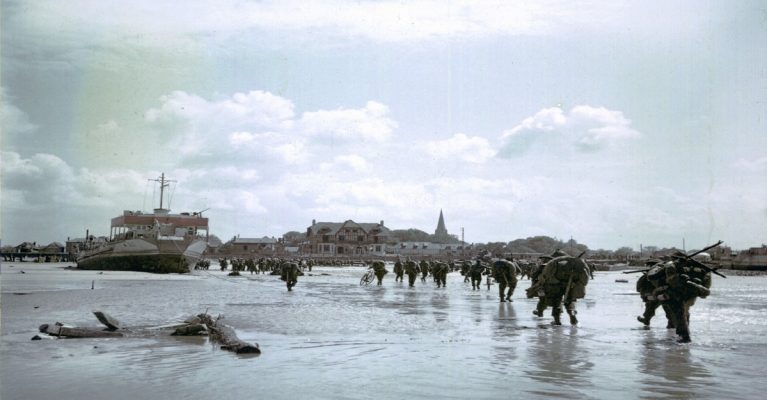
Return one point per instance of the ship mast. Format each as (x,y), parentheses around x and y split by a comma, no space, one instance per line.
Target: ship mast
(163,184)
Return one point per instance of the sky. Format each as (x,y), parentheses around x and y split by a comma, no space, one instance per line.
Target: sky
(613,123)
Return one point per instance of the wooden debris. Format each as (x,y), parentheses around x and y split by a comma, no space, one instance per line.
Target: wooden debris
(227,337)
(202,324)
(106,319)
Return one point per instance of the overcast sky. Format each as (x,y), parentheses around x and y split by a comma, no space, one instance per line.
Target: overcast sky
(614,123)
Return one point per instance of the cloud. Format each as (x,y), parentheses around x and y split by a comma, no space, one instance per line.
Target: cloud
(370,123)
(753,165)
(584,127)
(14,123)
(386,21)
(471,149)
(257,124)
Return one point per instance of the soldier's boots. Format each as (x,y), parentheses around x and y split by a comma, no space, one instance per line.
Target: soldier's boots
(643,320)
(685,339)
(508,297)
(502,300)
(537,313)
(573,320)
(556,320)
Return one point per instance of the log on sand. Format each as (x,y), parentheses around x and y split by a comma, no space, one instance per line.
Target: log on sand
(225,334)
(202,324)
(60,330)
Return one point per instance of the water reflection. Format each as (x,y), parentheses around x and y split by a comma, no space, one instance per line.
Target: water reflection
(668,369)
(506,339)
(559,362)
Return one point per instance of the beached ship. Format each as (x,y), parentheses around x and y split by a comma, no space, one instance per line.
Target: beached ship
(754,259)
(158,242)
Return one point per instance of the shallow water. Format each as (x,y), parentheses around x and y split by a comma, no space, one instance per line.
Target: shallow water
(331,338)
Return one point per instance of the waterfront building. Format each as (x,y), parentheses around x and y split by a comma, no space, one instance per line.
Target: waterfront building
(346,238)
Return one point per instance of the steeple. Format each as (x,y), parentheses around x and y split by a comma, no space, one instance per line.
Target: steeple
(441,232)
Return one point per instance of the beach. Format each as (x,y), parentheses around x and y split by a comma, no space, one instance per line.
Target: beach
(331,338)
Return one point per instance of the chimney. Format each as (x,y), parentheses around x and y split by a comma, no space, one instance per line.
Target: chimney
(314,222)
(382,223)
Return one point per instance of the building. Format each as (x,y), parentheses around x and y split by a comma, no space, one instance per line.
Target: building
(346,239)
(419,250)
(250,246)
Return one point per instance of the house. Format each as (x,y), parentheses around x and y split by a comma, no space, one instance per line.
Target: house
(346,238)
(251,246)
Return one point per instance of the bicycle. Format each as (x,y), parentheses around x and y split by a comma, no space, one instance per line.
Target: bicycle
(367,278)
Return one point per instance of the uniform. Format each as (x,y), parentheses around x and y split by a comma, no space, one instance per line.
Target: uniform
(564,280)
(379,269)
(440,270)
(505,273)
(399,271)
(411,269)
(476,275)
(677,285)
(290,274)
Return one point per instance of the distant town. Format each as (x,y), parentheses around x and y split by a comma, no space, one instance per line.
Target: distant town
(366,240)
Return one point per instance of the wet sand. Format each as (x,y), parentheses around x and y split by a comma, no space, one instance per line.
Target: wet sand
(331,338)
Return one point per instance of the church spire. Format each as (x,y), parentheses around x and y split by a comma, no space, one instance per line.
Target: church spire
(441,232)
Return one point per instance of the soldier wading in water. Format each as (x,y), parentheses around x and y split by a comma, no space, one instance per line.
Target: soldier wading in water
(290,272)
(563,279)
(379,269)
(505,273)
(411,269)
(677,284)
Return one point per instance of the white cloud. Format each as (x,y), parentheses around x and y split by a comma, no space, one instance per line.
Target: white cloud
(378,20)
(584,127)
(471,149)
(370,123)
(259,127)
(753,165)
(14,123)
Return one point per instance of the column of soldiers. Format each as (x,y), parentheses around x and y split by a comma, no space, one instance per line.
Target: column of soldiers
(557,281)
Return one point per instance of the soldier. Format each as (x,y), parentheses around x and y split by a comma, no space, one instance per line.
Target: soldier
(564,278)
(476,274)
(399,271)
(379,269)
(424,270)
(534,290)
(411,269)
(465,270)
(290,272)
(505,273)
(646,289)
(440,270)
(678,284)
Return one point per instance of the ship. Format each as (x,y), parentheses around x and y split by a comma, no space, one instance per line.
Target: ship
(158,242)
(753,259)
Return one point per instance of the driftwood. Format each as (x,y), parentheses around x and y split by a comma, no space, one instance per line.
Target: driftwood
(202,324)
(60,330)
(227,337)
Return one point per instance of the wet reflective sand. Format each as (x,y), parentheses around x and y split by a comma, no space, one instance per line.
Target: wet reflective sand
(332,339)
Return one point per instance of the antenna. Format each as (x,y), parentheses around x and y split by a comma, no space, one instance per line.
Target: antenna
(163,184)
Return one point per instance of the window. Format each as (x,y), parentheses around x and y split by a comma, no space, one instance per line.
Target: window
(375,239)
(327,248)
(342,237)
(378,249)
(340,250)
(360,238)
(325,238)
(245,247)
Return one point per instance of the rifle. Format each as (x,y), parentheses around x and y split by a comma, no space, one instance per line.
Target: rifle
(637,270)
(699,264)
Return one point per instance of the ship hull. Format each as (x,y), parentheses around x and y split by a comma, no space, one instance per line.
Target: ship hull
(160,257)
